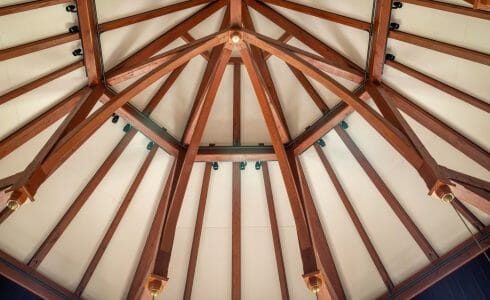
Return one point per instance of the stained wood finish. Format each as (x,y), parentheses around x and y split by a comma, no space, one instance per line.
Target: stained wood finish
(281,271)
(475,196)
(479,4)
(33,176)
(196,240)
(38,124)
(305,243)
(187,37)
(147,257)
(326,15)
(452,8)
(308,87)
(39,82)
(95,120)
(440,268)
(115,223)
(302,35)
(90,40)
(457,140)
(429,170)
(145,125)
(322,249)
(388,196)
(21,7)
(355,219)
(236,189)
(236,233)
(148,15)
(46,43)
(440,86)
(243,153)
(270,88)
(31,280)
(184,171)
(446,48)
(203,86)
(236,13)
(75,207)
(386,129)
(467,179)
(382,17)
(323,125)
(4,214)
(170,35)
(162,91)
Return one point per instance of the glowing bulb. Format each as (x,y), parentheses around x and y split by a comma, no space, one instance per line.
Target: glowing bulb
(314,282)
(155,284)
(235,38)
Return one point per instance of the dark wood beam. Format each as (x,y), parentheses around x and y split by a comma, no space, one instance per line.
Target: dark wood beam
(355,219)
(281,271)
(147,257)
(440,268)
(479,4)
(467,214)
(141,122)
(477,197)
(386,129)
(471,55)
(323,14)
(31,47)
(184,171)
(237,154)
(170,35)
(115,223)
(21,7)
(236,13)
(388,195)
(269,85)
(308,87)
(303,233)
(203,86)
(382,16)
(86,128)
(148,15)
(236,190)
(196,240)
(467,179)
(40,82)
(75,207)
(322,248)
(31,280)
(303,36)
(440,85)
(456,139)
(452,8)
(87,22)
(188,38)
(323,125)
(40,123)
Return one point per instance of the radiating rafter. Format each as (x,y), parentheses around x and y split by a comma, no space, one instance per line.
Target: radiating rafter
(453,8)
(16,139)
(382,15)
(354,218)
(81,199)
(323,14)
(160,271)
(102,246)
(281,271)
(26,88)
(147,257)
(468,54)
(303,233)
(170,35)
(30,5)
(39,45)
(148,15)
(322,248)
(196,240)
(440,86)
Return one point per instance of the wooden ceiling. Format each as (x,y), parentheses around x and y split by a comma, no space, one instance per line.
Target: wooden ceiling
(239,45)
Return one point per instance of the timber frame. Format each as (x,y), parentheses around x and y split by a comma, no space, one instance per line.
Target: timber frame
(237,32)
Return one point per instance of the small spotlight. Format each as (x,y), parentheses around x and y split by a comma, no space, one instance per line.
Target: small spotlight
(235,37)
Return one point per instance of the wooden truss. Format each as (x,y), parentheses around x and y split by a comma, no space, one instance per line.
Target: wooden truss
(237,32)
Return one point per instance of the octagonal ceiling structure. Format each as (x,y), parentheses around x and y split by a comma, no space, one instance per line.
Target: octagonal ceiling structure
(321,139)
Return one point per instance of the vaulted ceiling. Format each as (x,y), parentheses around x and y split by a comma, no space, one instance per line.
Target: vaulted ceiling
(228,149)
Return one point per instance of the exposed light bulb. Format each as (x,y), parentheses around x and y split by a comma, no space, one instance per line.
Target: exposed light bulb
(314,282)
(155,284)
(235,38)
(13,204)
(447,197)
